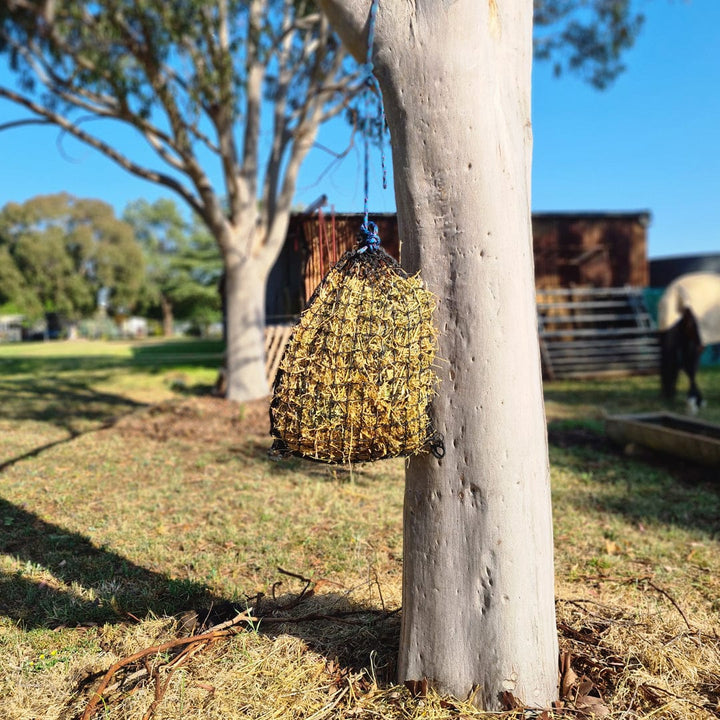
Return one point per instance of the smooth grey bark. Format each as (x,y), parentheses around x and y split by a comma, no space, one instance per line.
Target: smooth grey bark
(245,352)
(478,590)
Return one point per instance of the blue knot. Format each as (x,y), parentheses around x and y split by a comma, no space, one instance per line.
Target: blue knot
(369,237)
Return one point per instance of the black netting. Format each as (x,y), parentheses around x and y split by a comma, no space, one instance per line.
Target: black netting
(357,375)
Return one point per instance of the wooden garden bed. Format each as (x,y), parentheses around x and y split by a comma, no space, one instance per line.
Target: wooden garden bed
(667,433)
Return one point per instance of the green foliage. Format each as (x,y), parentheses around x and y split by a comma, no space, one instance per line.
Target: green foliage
(57,252)
(15,295)
(183,264)
(586,36)
(197,271)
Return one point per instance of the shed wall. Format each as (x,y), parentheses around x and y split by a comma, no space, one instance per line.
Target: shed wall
(571,250)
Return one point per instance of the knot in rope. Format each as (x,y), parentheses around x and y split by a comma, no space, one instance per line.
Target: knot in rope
(369,237)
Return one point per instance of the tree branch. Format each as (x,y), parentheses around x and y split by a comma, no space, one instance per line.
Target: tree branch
(255,74)
(349,18)
(25,121)
(221,112)
(281,134)
(123,161)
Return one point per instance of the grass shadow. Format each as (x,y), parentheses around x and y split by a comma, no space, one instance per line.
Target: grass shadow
(46,366)
(60,389)
(70,405)
(644,487)
(85,583)
(201,353)
(258,450)
(356,636)
(51,359)
(66,403)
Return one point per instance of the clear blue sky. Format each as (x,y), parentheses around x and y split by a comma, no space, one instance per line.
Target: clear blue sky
(650,142)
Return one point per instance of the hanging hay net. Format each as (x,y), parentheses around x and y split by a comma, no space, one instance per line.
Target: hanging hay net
(357,375)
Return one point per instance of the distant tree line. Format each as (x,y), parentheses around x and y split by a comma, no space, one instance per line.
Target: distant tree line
(73,257)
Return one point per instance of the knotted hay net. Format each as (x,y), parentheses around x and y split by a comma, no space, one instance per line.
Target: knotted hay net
(357,375)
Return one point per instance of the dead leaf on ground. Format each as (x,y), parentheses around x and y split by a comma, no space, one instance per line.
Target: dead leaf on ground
(510,702)
(417,688)
(588,699)
(568,677)
(592,705)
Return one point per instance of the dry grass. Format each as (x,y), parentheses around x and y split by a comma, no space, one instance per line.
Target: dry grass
(120,535)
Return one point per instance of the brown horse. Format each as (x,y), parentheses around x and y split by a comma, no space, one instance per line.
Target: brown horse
(688,321)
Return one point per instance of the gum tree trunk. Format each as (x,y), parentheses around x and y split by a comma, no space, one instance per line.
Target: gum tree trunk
(245,298)
(478,604)
(247,266)
(167,316)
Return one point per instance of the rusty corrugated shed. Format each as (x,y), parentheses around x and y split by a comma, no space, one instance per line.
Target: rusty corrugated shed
(583,249)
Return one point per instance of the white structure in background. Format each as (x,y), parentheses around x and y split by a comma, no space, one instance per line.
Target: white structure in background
(11,328)
(136,327)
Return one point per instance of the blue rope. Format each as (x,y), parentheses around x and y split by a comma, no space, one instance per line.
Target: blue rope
(368,230)
(371,36)
(369,235)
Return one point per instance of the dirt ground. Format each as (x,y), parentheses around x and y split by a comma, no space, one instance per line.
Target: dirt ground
(202,419)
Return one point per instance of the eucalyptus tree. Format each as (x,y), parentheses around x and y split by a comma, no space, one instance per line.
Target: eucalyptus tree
(182,263)
(66,250)
(197,273)
(227,95)
(478,606)
(160,229)
(16,297)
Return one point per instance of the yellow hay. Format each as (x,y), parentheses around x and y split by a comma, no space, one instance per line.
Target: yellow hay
(357,375)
